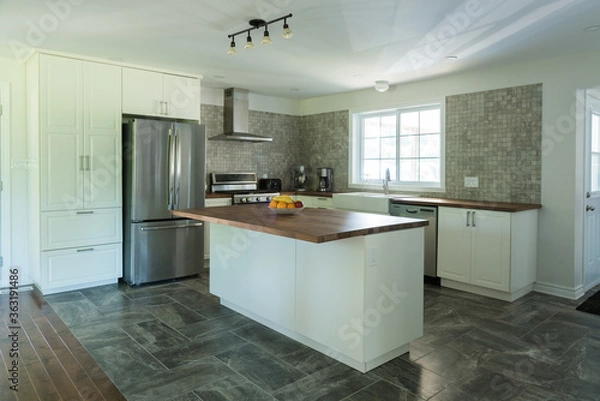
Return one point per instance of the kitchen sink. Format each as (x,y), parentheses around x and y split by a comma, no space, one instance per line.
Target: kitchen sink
(373,202)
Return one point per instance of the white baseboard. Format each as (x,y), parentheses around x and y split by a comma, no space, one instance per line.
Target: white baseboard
(559,290)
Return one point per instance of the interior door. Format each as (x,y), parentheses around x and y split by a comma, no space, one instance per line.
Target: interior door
(592,188)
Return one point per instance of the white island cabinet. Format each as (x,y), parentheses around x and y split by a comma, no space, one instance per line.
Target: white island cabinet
(74,125)
(347,284)
(487,252)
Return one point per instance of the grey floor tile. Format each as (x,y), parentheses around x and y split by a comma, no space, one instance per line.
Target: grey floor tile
(268,339)
(233,388)
(64,297)
(552,339)
(191,396)
(207,305)
(106,295)
(582,361)
(260,367)
(501,342)
(151,290)
(136,304)
(175,315)
(334,383)
(412,377)
(523,368)
(481,385)
(126,362)
(154,335)
(207,328)
(383,391)
(198,349)
(77,312)
(177,382)
(309,361)
(92,337)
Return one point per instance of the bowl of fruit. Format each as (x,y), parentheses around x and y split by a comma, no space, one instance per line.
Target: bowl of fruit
(285,204)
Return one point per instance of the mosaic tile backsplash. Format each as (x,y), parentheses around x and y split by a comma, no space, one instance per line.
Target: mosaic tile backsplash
(493,135)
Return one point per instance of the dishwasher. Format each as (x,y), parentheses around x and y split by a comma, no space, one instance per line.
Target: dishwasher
(428,213)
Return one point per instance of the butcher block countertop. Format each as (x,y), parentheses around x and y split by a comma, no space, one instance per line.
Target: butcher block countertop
(468,204)
(312,224)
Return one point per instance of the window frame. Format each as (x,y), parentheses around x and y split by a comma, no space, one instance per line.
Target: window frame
(355,153)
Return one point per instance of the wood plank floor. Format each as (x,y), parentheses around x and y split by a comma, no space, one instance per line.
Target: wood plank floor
(52,363)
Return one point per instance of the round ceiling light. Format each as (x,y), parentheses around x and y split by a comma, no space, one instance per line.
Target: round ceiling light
(382,86)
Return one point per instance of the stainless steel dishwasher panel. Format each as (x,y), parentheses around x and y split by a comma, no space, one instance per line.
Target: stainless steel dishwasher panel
(428,213)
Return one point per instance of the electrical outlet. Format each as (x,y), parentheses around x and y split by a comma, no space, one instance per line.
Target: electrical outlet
(471,182)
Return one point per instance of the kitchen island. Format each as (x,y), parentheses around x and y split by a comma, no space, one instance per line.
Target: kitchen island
(347,284)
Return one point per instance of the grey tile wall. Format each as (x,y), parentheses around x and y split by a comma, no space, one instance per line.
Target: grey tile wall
(493,135)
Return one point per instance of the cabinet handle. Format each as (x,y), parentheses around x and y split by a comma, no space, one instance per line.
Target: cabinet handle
(81,167)
(86,160)
(473,219)
(468,215)
(322,199)
(166,108)
(86,212)
(85,250)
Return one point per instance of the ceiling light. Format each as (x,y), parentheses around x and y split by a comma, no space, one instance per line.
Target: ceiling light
(259,23)
(266,38)
(592,28)
(232,47)
(382,86)
(451,58)
(249,44)
(287,32)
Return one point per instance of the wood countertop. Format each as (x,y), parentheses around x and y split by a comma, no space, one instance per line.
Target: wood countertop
(312,224)
(308,193)
(468,204)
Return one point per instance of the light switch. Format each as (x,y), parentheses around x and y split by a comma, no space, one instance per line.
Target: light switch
(472,182)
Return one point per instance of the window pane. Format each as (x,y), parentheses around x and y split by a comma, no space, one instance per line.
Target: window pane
(595,133)
(595,173)
(409,170)
(429,170)
(371,170)
(371,148)
(388,147)
(388,126)
(430,121)
(409,146)
(430,146)
(409,123)
(371,127)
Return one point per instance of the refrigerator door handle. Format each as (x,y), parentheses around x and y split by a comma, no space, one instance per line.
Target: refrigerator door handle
(170,227)
(177,168)
(171,169)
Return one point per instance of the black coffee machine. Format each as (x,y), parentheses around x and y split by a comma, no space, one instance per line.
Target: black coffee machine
(325,175)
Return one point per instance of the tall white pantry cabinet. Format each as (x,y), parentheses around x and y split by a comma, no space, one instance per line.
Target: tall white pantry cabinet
(74,128)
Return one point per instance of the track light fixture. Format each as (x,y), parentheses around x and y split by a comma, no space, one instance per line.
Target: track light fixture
(256,24)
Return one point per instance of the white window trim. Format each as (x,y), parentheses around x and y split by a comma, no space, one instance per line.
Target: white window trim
(5,177)
(354,139)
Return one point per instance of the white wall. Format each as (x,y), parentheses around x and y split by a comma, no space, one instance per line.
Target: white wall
(561,217)
(13,72)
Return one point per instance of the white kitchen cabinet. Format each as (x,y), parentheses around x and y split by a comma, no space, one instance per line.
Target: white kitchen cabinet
(212,202)
(321,202)
(487,252)
(74,126)
(152,93)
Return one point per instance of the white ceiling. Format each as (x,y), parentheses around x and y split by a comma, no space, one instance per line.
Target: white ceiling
(338,45)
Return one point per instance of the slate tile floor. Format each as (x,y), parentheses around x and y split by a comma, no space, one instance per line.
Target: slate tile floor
(174,341)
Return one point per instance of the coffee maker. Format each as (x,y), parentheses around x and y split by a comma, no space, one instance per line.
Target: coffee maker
(325,175)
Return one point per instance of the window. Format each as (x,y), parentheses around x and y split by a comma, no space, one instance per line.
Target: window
(595,152)
(407,141)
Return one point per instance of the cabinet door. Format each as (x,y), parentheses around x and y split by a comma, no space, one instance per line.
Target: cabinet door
(102,127)
(142,92)
(322,202)
(307,201)
(182,97)
(61,131)
(490,239)
(454,244)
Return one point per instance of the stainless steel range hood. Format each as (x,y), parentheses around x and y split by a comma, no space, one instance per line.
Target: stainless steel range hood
(236,118)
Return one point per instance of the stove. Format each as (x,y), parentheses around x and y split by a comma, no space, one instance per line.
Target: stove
(243,187)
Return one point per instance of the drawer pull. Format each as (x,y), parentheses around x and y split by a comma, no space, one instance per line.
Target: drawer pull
(85,250)
(86,212)
(170,227)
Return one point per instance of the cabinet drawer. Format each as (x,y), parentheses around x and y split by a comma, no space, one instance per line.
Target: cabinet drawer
(216,202)
(70,229)
(80,267)
(322,202)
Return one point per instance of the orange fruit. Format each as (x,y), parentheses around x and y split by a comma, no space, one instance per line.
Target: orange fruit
(281,205)
(273,204)
(291,206)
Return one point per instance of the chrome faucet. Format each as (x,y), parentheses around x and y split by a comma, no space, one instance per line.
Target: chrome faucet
(386,182)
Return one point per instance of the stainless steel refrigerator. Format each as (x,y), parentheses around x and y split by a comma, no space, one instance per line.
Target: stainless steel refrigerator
(163,170)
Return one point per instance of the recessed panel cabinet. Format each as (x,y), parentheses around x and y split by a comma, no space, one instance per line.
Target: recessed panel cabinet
(487,252)
(74,125)
(151,93)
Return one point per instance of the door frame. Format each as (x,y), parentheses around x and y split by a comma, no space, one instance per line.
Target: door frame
(5,206)
(585,129)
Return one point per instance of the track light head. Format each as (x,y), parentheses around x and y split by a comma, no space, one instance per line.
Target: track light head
(232,49)
(266,38)
(287,32)
(249,44)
